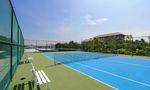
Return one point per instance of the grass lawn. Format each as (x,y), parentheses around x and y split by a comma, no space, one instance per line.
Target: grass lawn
(62,78)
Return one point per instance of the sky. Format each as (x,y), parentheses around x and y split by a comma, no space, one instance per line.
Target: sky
(65,20)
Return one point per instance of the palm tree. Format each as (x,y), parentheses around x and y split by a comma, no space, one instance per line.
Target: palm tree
(149,39)
(129,37)
(129,40)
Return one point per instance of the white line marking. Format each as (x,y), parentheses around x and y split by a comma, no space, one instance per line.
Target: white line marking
(86,75)
(145,84)
(91,77)
(115,75)
(131,64)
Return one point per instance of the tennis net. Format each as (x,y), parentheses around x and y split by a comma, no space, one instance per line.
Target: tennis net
(78,56)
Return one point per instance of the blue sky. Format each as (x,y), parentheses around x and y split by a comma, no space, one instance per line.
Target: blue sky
(65,20)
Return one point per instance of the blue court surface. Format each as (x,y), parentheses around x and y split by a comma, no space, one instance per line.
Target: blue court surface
(118,72)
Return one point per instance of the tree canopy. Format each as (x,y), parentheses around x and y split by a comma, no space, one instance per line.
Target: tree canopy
(111,45)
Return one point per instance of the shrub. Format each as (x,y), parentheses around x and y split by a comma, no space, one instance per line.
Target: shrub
(123,51)
(140,52)
(67,49)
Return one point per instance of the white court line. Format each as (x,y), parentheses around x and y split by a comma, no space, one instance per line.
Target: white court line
(107,73)
(115,75)
(86,75)
(132,64)
(90,76)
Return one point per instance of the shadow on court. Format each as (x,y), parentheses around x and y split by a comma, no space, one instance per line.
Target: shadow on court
(23,62)
(56,64)
(21,86)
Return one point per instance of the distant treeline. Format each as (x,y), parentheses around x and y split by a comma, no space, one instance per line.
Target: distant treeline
(111,45)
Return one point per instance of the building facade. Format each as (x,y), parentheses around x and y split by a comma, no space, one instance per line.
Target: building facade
(11,43)
(105,37)
(116,36)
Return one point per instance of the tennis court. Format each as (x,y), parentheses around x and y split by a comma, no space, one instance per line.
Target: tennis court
(119,72)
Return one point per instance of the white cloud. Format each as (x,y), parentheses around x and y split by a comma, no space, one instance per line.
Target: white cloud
(102,20)
(90,21)
(64,28)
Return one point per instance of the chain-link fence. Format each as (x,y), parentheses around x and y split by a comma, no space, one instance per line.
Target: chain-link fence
(40,45)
